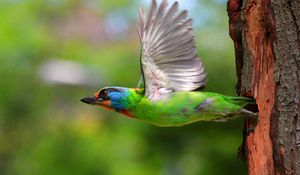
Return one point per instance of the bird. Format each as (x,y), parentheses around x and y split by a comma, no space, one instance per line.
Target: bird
(170,90)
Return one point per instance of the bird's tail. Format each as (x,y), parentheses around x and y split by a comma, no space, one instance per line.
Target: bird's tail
(242,101)
(246,101)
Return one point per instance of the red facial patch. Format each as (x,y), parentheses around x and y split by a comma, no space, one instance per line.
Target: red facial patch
(106,105)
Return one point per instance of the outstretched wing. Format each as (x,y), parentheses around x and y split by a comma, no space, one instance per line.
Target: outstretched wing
(169,58)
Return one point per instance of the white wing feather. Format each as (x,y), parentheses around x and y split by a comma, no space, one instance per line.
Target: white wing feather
(169,57)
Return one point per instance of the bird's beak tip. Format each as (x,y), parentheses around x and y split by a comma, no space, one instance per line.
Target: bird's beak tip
(87,100)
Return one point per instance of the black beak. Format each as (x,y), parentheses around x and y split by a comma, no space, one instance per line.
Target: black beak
(90,100)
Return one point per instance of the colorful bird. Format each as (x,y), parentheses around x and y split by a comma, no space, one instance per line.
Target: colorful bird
(171,74)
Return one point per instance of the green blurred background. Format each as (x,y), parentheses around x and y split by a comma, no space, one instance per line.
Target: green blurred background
(54,52)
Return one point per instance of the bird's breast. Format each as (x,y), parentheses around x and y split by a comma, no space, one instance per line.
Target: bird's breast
(127,113)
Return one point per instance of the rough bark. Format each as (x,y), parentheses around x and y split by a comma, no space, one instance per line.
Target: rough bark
(266,36)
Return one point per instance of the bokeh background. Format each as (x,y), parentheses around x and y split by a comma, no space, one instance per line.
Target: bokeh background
(54,52)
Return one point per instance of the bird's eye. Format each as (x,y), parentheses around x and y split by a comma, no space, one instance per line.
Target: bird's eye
(103,94)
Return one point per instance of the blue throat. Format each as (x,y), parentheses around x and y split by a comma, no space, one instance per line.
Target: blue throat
(118,100)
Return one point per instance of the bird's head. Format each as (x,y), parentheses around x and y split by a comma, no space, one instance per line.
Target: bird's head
(109,98)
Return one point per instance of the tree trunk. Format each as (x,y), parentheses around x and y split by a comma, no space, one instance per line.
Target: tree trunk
(266,36)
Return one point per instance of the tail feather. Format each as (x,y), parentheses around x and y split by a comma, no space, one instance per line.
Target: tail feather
(242,101)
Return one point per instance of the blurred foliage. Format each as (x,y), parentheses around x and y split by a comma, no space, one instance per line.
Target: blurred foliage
(45,129)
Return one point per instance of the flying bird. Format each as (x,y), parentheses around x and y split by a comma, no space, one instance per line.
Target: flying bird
(171,76)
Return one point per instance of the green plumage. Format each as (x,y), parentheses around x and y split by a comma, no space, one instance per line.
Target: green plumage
(181,108)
